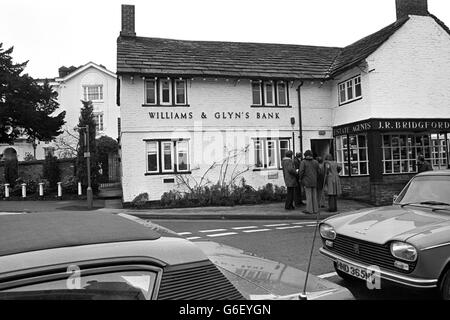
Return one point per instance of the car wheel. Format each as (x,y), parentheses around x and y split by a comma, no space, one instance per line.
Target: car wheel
(344,275)
(445,286)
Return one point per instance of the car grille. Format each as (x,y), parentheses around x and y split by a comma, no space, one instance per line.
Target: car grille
(196,281)
(369,253)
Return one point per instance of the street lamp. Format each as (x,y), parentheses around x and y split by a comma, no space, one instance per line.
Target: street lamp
(87,155)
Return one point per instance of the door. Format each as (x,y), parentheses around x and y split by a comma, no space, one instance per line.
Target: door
(322,147)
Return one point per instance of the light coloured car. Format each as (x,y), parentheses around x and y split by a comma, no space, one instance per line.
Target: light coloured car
(407,243)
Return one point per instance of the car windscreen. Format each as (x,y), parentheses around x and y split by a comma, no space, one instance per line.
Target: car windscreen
(426,189)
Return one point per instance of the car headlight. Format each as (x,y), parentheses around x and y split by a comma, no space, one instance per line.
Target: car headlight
(404,251)
(327,231)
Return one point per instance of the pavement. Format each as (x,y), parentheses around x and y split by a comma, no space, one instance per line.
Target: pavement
(272,211)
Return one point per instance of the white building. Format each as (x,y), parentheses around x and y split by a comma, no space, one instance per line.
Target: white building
(375,104)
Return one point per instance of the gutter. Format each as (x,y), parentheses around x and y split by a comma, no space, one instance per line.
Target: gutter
(300,122)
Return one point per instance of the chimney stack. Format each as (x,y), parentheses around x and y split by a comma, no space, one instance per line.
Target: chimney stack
(128,21)
(411,7)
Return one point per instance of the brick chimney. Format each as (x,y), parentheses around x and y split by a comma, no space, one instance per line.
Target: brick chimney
(411,7)
(128,21)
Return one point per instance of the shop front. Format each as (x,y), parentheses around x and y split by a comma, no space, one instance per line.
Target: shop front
(379,156)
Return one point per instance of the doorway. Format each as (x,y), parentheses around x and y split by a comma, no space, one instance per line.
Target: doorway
(322,147)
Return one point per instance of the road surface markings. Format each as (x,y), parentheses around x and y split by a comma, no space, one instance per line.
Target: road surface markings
(244,228)
(184,233)
(276,225)
(328,275)
(291,227)
(193,238)
(311,225)
(256,230)
(212,231)
(221,234)
(301,223)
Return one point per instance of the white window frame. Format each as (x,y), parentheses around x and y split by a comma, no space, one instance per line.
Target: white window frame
(259,84)
(99,124)
(147,153)
(155,90)
(86,92)
(276,152)
(188,156)
(273,93)
(262,153)
(285,93)
(279,146)
(172,165)
(177,81)
(161,92)
(347,84)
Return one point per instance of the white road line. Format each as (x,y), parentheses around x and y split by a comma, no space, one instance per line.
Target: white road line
(244,228)
(327,275)
(211,231)
(308,222)
(184,233)
(292,227)
(193,238)
(257,230)
(221,234)
(310,225)
(276,225)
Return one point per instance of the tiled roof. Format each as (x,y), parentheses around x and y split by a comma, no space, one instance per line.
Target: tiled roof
(157,56)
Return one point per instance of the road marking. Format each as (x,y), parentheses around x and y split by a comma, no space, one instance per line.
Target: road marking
(244,228)
(327,275)
(292,227)
(211,231)
(310,225)
(184,233)
(276,225)
(193,238)
(221,234)
(257,230)
(301,223)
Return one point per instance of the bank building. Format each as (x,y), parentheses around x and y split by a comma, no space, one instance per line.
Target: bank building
(191,108)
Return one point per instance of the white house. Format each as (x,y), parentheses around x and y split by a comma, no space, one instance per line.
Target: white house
(188,106)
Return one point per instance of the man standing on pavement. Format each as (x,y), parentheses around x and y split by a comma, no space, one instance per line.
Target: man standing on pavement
(290,179)
(309,170)
(298,192)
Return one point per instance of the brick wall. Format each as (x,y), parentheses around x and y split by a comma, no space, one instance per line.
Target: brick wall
(382,193)
(356,188)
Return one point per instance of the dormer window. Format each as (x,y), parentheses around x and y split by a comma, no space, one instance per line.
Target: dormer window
(350,90)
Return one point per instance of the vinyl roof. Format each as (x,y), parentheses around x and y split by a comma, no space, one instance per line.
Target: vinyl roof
(40,231)
(156,56)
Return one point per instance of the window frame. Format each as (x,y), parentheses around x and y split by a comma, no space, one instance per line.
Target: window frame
(172,165)
(187,153)
(285,93)
(271,83)
(157,157)
(155,81)
(344,86)
(176,92)
(275,156)
(99,93)
(99,123)
(264,152)
(341,149)
(259,84)
(174,157)
(161,89)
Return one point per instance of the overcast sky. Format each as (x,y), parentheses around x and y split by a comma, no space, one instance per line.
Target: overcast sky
(52,33)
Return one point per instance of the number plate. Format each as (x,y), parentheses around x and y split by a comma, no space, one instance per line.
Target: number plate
(357,272)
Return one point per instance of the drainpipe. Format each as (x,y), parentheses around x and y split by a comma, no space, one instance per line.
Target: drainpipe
(300,125)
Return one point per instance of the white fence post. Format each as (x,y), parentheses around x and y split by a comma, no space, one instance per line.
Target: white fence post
(6,190)
(41,189)
(80,190)
(24,190)
(59,190)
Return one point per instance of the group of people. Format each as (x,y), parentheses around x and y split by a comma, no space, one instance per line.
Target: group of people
(314,178)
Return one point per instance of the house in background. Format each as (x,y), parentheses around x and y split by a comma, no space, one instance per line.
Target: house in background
(375,105)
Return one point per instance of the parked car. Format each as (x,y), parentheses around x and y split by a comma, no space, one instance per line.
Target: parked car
(107,256)
(408,242)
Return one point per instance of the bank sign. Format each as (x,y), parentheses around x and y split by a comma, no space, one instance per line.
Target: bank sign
(416,125)
(168,115)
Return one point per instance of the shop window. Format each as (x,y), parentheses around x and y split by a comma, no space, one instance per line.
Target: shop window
(269,152)
(350,90)
(352,155)
(168,157)
(93,93)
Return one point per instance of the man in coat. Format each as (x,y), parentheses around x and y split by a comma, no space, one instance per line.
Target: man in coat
(298,192)
(290,179)
(309,170)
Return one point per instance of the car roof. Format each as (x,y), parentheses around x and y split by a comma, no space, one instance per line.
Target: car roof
(39,231)
(435,173)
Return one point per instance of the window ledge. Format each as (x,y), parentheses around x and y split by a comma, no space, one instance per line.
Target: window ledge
(271,107)
(167,173)
(350,101)
(166,105)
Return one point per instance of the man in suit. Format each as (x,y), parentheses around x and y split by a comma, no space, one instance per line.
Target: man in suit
(290,179)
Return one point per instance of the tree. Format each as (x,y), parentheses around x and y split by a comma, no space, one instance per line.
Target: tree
(26,108)
(105,146)
(87,119)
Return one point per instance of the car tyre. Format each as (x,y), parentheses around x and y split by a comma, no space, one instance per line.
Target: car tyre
(344,275)
(444,287)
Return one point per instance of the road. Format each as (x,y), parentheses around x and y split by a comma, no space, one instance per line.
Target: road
(288,242)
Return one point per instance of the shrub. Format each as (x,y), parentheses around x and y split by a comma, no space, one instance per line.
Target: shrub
(69,185)
(140,201)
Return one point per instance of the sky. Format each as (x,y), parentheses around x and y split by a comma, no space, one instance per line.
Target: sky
(53,33)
